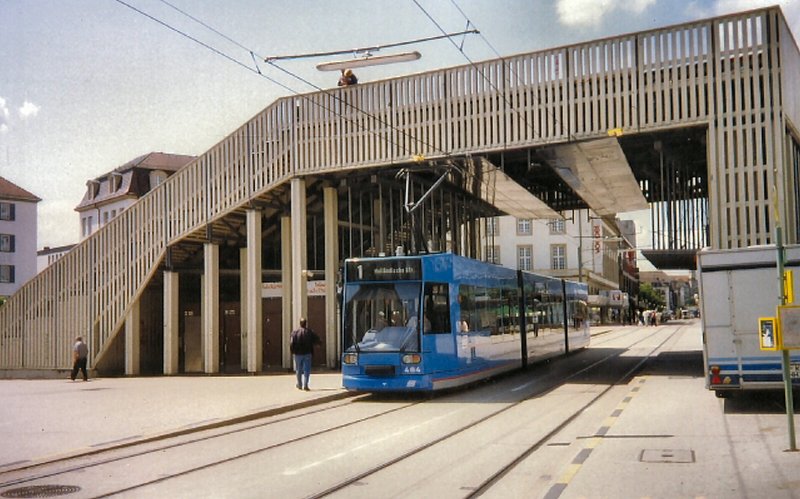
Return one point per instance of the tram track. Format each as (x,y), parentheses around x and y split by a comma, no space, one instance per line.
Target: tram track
(513,463)
(101,458)
(503,471)
(106,458)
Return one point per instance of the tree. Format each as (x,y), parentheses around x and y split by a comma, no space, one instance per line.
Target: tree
(649,297)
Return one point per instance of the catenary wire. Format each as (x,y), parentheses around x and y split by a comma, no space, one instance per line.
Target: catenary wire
(256,70)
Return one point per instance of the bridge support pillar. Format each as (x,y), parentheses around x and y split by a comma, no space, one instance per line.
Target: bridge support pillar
(171,322)
(286,297)
(299,301)
(210,303)
(133,340)
(331,207)
(251,299)
(243,302)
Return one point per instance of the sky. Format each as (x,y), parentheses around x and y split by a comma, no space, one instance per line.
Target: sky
(88,85)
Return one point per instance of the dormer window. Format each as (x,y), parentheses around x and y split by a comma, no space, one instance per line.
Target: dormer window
(93,188)
(157,178)
(115,181)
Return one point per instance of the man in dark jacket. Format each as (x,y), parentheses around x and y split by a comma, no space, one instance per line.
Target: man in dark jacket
(80,353)
(301,345)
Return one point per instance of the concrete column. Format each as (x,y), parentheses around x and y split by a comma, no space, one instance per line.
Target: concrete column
(211,308)
(252,302)
(243,306)
(171,322)
(299,300)
(133,335)
(331,207)
(286,298)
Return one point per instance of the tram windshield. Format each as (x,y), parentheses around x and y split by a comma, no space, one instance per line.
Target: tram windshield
(382,317)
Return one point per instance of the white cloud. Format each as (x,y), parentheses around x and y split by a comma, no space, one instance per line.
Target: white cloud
(580,12)
(4,114)
(28,109)
(592,12)
(637,6)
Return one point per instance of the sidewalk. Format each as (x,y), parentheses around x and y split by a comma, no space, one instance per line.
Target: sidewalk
(44,419)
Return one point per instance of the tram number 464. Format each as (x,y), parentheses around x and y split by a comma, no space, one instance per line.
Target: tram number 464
(417,370)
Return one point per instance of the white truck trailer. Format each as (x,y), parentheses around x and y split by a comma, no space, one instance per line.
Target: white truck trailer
(737,287)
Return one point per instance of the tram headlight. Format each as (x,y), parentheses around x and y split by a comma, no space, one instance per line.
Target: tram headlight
(350,358)
(412,358)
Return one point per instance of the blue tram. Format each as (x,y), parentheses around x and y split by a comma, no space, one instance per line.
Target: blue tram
(429,322)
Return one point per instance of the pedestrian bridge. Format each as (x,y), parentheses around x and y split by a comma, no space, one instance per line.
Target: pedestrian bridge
(698,121)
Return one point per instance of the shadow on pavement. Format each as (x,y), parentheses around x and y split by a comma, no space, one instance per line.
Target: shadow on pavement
(687,363)
(760,402)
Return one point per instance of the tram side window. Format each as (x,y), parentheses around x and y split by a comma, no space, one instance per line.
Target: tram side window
(437,308)
(479,307)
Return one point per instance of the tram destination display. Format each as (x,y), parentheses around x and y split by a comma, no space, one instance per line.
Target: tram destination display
(384,270)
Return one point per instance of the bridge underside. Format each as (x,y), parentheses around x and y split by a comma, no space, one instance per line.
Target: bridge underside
(665,172)
(668,170)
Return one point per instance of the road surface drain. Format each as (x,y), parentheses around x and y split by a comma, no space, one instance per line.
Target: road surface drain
(41,491)
(667,456)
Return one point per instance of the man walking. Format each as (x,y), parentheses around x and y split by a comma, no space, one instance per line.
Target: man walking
(80,352)
(301,345)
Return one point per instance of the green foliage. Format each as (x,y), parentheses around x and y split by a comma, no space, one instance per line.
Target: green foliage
(649,297)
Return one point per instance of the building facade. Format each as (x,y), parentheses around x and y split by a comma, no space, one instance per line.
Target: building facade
(111,193)
(18,226)
(47,255)
(582,247)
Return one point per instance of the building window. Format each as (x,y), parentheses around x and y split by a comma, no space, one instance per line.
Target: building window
(7,243)
(525,257)
(558,256)
(492,227)
(116,181)
(493,254)
(92,188)
(86,226)
(6,273)
(524,227)
(557,226)
(105,217)
(157,178)
(6,211)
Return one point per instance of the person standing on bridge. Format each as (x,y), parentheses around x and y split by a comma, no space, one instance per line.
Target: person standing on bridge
(347,78)
(301,344)
(80,354)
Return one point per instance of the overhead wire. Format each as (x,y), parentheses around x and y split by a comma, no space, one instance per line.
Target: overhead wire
(255,55)
(370,48)
(447,155)
(502,93)
(511,70)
